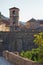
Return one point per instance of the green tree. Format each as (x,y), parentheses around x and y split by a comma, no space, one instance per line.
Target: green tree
(39,41)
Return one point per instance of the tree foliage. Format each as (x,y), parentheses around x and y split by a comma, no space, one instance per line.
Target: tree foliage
(39,41)
(35,54)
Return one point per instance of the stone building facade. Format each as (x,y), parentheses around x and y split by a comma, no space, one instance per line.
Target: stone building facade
(32,24)
(18,38)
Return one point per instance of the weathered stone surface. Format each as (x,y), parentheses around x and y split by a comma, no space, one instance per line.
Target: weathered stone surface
(17,60)
(17,41)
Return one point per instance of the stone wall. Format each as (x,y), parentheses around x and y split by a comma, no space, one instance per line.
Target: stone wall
(17,60)
(18,40)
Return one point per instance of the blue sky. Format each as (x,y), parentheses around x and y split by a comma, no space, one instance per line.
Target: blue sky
(28,8)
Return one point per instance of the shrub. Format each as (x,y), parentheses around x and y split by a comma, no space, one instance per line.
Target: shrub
(22,53)
(28,54)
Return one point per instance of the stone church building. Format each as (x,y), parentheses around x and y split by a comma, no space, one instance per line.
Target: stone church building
(17,37)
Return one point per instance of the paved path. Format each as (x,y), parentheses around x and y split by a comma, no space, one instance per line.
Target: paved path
(4,62)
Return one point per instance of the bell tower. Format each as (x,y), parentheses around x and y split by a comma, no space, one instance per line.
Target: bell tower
(14,18)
